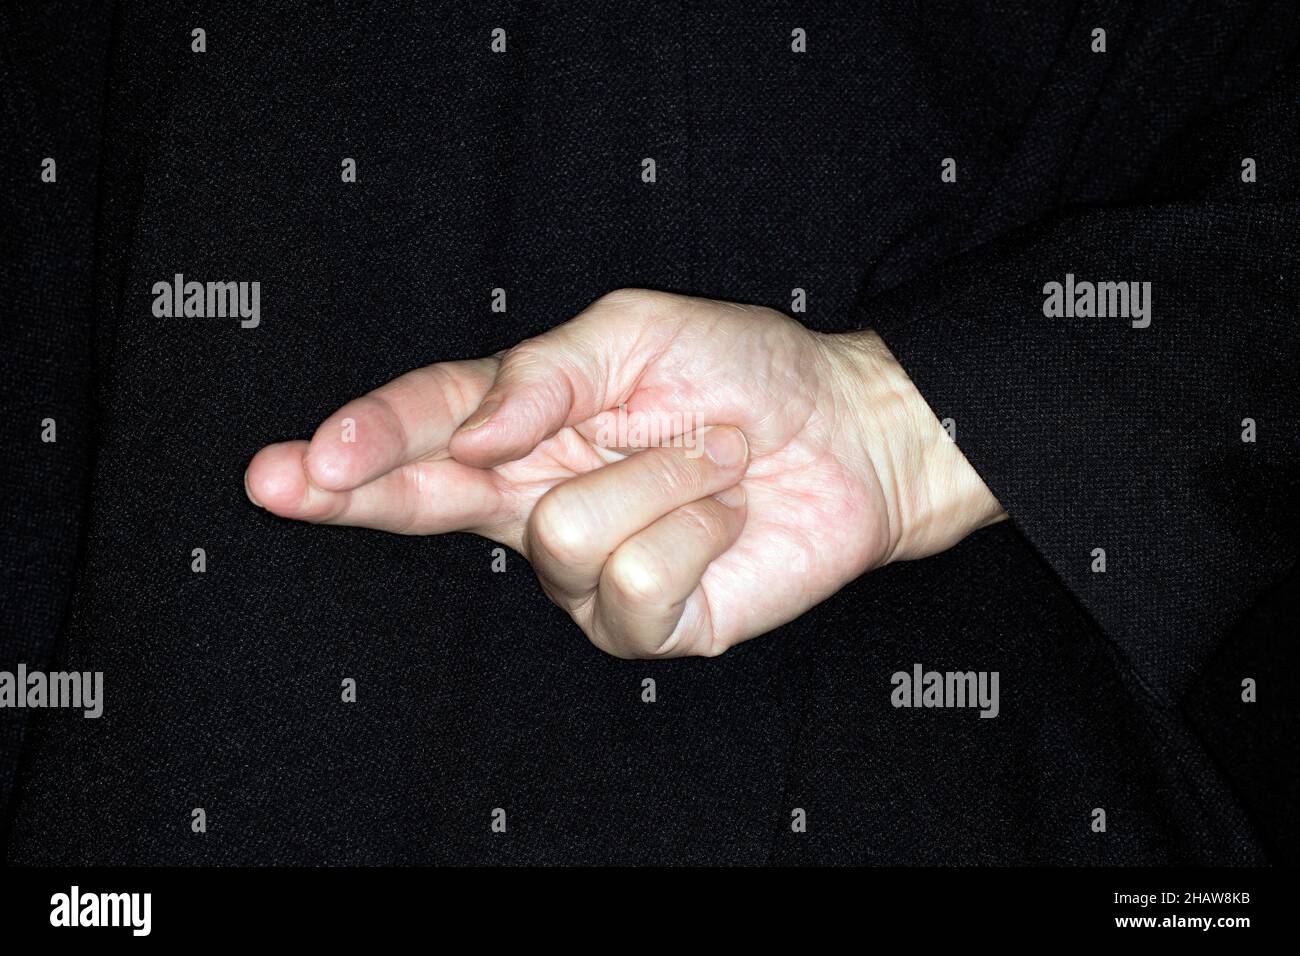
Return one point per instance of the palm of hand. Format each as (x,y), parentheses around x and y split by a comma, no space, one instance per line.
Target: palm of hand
(816,514)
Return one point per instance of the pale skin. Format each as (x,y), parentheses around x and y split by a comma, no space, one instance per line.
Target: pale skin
(808,460)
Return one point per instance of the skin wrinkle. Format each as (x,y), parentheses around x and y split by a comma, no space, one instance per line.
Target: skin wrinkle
(853,410)
(392,418)
(658,354)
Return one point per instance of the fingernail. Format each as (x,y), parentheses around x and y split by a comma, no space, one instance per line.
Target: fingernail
(725,446)
(249,492)
(733,497)
(481,416)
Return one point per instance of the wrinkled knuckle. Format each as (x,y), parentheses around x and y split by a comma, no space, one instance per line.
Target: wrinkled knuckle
(646,305)
(626,298)
(636,578)
(410,489)
(706,522)
(675,479)
(524,356)
(457,401)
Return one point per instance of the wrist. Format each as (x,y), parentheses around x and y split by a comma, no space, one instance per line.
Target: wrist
(932,494)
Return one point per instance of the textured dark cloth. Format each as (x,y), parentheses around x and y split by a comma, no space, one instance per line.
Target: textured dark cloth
(775,170)
(52,75)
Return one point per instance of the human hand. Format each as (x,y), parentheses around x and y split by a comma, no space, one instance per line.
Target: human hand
(788,462)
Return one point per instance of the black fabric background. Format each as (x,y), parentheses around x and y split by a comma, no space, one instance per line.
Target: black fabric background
(775,171)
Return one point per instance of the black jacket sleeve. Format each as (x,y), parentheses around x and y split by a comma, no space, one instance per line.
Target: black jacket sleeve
(1174,447)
